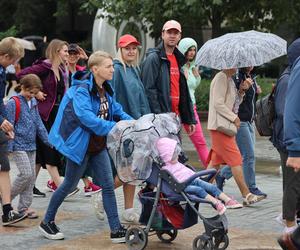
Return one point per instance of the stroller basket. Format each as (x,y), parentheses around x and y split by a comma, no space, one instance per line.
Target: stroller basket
(168,215)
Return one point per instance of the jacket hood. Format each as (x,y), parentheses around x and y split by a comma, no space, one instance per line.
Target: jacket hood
(293,51)
(166,148)
(86,77)
(185,44)
(43,62)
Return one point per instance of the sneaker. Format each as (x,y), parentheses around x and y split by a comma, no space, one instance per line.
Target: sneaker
(91,189)
(38,193)
(130,216)
(233,204)
(118,236)
(98,205)
(251,198)
(257,192)
(12,217)
(51,185)
(51,231)
(289,230)
(219,206)
(220,181)
(280,220)
(76,190)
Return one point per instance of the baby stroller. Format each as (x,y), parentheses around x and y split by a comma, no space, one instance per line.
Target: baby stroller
(167,208)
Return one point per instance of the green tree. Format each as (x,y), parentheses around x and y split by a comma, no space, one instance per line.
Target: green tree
(221,15)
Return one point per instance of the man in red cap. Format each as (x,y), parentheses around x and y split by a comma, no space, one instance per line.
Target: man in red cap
(164,82)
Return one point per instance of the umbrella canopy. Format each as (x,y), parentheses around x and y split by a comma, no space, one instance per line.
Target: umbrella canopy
(241,49)
(26,44)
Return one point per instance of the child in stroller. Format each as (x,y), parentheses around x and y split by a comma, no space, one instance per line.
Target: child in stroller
(169,151)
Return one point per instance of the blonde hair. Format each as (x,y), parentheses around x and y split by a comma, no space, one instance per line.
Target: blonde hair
(53,48)
(121,59)
(97,58)
(11,47)
(31,81)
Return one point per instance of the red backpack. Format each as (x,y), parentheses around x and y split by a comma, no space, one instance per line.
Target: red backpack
(18,107)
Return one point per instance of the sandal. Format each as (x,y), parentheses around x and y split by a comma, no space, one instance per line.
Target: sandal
(251,198)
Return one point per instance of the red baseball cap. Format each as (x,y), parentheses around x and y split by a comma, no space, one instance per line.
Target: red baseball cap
(126,40)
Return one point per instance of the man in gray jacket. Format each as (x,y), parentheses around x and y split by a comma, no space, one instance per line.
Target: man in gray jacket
(165,84)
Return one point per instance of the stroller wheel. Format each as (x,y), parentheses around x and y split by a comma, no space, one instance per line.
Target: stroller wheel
(136,238)
(221,243)
(167,236)
(202,242)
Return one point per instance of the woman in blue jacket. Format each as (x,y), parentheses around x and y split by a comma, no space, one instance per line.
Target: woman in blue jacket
(130,93)
(86,115)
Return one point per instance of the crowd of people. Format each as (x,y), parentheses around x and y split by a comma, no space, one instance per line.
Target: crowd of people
(63,112)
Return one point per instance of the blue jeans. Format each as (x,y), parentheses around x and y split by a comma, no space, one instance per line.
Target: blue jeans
(100,164)
(245,139)
(202,189)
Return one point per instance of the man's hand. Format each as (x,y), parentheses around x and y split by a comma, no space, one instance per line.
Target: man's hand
(41,96)
(6,126)
(237,122)
(293,162)
(192,129)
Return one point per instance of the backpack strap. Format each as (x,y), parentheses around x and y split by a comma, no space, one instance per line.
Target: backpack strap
(18,107)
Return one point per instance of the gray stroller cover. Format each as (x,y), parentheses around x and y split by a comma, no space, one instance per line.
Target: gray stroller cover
(131,144)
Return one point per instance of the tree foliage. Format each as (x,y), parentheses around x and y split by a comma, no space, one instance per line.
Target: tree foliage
(221,15)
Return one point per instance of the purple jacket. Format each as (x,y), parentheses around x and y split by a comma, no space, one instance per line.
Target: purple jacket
(43,69)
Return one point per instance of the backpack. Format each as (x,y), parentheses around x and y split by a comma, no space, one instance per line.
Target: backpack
(265,113)
(18,108)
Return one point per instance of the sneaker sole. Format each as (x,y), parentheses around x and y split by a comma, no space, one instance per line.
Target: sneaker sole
(234,207)
(50,236)
(89,194)
(72,193)
(39,196)
(15,221)
(118,240)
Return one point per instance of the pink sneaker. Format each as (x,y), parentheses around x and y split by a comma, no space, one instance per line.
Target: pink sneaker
(51,185)
(91,189)
(220,208)
(233,204)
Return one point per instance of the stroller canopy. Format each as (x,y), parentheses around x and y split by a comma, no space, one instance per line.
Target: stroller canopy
(131,144)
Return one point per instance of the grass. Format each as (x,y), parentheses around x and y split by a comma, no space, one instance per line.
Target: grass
(202,92)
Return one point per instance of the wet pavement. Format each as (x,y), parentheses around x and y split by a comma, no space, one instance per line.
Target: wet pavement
(249,228)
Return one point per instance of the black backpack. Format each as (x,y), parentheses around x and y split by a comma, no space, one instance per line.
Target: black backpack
(265,113)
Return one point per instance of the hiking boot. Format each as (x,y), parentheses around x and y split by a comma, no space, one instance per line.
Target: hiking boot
(51,231)
(38,193)
(51,185)
(118,236)
(233,204)
(220,207)
(12,218)
(91,189)
(257,192)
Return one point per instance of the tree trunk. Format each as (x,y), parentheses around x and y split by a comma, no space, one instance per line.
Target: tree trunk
(216,21)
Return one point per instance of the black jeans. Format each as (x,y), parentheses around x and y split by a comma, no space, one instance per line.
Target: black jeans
(291,189)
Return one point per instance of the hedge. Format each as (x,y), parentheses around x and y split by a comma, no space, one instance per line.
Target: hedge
(202,92)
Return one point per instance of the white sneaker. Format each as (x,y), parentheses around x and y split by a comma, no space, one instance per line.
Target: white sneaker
(289,230)
(98,205)
(130,216)
(280,220)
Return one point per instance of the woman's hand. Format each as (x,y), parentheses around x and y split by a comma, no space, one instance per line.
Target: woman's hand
(191,129)
(82,54)
(237,122)
(195,71)
(41,96)
(258,90)
(245,85)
